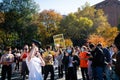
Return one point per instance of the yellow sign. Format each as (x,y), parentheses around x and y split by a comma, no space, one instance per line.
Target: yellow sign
(59,40)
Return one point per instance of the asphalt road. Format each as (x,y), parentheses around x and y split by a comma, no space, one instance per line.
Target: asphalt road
(17,76)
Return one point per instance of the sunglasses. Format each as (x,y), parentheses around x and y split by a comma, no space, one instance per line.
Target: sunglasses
(25,49)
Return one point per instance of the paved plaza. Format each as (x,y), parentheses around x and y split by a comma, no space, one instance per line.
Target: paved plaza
(17,76)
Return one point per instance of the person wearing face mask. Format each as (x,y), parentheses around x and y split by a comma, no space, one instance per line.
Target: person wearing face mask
(84,62)
(82,49)
(70,61)
(69,51)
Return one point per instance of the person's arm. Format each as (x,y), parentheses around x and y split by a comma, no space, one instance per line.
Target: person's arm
(2,62)
(21,55)
(12,58)
(76,61)
(30,54)
(58,52)
(41,59)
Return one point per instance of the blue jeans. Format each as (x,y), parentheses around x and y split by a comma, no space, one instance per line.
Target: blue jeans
(98,73)
(116,77)
(107,73)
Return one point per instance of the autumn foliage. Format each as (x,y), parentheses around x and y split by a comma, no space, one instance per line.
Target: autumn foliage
(95,39)
(68,42)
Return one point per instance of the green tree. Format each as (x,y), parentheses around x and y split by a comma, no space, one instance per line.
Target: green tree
(18,16)
(1,17)
(108,33)
(74,27)
(8,39)
(68,26)
(84,22)
(49,25)
(97,16)
(85,26)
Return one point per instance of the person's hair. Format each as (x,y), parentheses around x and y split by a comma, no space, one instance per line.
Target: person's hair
(8,48)
(48,47)
(99,44)
(117,41)
(91,46)
(84,47)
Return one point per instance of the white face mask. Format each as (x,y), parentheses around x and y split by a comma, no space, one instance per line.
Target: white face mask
(82,49)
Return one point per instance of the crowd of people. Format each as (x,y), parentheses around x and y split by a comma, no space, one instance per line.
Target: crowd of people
(94,61)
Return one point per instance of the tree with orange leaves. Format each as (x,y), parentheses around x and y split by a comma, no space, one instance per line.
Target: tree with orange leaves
(97,39)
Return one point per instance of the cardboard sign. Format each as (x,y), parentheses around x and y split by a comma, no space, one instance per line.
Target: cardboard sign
(59,40)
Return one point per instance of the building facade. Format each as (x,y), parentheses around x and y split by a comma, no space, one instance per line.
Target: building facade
(111,9)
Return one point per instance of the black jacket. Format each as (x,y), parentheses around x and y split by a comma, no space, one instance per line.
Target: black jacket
(65,61)
(77,61)
(117,64)
(98,59)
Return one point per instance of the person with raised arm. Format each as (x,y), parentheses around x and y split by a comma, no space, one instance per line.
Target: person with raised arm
(34,62)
